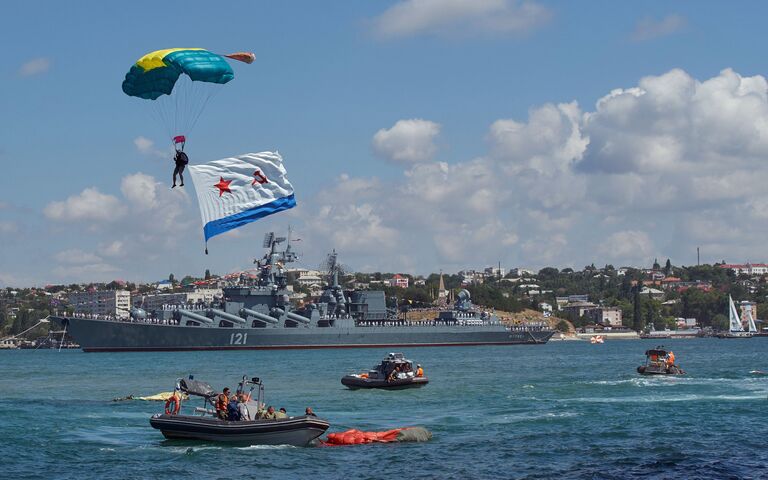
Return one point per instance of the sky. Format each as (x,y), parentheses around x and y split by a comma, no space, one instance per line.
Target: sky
(419,135)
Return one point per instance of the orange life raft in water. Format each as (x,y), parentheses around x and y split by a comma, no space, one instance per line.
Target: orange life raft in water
(357,437)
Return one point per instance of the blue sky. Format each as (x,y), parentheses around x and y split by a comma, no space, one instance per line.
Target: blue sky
(564,184)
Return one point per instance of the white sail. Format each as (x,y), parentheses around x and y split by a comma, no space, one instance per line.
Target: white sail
(752,327)
(736,325)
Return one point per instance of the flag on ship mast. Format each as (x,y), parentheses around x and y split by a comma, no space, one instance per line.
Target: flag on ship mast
(238,190)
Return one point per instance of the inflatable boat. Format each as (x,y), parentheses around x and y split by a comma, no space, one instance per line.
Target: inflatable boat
(659,361)
(394,372)
(296,431)
(203,424)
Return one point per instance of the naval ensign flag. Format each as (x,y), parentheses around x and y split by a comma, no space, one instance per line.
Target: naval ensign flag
(239,190)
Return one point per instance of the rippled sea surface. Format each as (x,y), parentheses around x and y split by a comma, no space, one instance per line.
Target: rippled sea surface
(561,410)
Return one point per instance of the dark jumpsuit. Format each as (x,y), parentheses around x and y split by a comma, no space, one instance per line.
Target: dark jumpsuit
(181,160)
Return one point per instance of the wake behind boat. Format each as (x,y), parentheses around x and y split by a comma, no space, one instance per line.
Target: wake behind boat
(263,429)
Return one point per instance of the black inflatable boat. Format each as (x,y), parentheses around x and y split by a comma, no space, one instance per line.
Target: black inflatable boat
(393,373)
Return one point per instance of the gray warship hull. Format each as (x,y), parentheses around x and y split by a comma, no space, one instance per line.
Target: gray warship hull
(111,336)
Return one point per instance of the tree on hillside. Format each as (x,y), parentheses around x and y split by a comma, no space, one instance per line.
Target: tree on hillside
(668,267)
(207,274)
(637,311)
(171,278)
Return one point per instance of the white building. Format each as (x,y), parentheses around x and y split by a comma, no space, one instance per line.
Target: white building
(156,301)
(606,315)
(521,272)
(309,280)
(747,268)
(106,302)
(497,272)
(398,281)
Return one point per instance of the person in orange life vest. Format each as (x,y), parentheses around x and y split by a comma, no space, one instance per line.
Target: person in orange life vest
(222,402)
(419,371)
(670,359)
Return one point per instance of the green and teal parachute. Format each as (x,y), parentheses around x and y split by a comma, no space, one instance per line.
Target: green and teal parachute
(179,82)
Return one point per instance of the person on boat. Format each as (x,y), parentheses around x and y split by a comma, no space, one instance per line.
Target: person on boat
(308,412)
(670,359)
(222,401)
(393,375)
(233,409)
(242,407)
(270,414)
(282,413)
(419,371)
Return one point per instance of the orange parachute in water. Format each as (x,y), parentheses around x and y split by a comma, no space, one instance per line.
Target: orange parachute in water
(357,437)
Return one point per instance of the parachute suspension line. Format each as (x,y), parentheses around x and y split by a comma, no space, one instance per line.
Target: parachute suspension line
(161,117)
(209,95)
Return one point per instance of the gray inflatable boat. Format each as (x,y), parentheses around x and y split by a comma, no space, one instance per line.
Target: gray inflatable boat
(298,431)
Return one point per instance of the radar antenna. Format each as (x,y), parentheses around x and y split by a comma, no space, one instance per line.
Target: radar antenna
(334,269)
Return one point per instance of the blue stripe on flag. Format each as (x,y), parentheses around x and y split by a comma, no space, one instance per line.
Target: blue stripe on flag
(226,224)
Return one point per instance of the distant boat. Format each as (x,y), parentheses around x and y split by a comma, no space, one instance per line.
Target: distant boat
(752,327)
(597,339)
(736,329)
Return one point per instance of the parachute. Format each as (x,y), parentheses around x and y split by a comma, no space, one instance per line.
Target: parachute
(357,437)
(179,82)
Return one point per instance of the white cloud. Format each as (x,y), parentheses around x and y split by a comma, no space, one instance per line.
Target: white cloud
(649,28)
(147,147)
(137,232)
(76,256)
(458,18)
(141,190)
(94,272)
(652,170)
(673,122)
(90,204)
(627,245)
(572,187)
(408,141)
(550,141)
(113,249)
(35,66)
(8,228)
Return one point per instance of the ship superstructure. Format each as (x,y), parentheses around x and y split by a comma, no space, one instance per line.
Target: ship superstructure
(256,314)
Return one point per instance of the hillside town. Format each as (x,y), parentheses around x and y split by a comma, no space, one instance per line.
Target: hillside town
(625,302)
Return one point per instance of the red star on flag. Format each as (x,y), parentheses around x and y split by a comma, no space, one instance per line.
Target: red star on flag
(223,186)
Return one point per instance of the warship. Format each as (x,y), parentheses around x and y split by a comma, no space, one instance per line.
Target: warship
(256,314)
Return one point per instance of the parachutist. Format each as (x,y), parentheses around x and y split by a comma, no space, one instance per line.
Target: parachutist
(181,160)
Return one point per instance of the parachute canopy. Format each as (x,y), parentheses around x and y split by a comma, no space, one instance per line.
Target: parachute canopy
(356,437)
(156,73)
(179,82)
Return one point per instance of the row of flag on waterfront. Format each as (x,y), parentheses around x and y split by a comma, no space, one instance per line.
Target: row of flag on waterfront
(235,191)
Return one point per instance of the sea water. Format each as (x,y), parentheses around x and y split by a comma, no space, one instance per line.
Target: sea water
(560,410)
